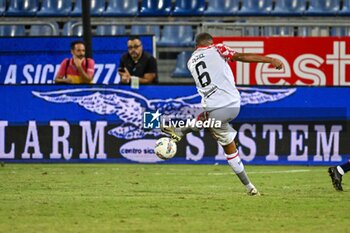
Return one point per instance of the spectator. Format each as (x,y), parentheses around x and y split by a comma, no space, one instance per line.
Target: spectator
(137,64)
(78,69)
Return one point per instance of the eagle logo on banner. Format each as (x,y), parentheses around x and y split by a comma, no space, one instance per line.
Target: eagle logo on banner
(128,106)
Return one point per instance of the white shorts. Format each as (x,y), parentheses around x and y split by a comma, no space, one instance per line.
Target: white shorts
(224,134)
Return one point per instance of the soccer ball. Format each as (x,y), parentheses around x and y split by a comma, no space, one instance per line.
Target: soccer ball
(165,148)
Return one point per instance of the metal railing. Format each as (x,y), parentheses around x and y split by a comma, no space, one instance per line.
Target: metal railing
(251,27)
(117,23)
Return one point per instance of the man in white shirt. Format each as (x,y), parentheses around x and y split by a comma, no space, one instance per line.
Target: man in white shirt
(220,97)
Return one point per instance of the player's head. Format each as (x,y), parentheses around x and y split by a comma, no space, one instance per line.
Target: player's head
(204,39)
(78,49)
(135,47)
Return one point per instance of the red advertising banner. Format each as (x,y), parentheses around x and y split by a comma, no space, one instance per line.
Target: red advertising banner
(308,61)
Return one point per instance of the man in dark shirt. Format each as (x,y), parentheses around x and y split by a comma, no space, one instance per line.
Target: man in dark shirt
(137,64)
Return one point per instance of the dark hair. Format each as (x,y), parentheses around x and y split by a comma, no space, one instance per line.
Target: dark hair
(72,45)
(134,37)
(204,38)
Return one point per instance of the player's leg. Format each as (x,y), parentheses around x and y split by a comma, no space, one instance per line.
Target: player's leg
(336,174)
(177,133)
(344,168)
(225,137)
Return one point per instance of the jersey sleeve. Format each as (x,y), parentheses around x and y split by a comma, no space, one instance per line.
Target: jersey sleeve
(62,71)
(225,51)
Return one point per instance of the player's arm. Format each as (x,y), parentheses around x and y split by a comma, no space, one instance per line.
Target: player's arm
(250,57)
(232,55)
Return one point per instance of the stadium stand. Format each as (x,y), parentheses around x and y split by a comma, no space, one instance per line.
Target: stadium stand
(97,7)
(345,11)
(313,31)
(22,8)
(289,8)
(69,30)
(44,30)
(121,8)
(222,8)
(55,8)
(251,31)
(189,8)
(110,30)
(12,30)
(2,7)
(155,8)
(146,29)
(278,31)
(181,70)
(255,8)
(323,8)
(340,31)
(175,22)
(304,31)
(176,36)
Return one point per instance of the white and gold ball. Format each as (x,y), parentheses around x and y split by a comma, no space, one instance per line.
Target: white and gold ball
(165,148)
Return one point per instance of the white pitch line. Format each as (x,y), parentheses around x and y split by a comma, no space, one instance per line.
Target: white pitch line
(262,172)
(284,171)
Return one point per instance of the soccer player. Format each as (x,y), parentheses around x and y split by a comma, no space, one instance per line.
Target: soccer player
(220,97)
(336,174)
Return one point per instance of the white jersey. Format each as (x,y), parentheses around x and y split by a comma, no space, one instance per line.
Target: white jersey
(214,79)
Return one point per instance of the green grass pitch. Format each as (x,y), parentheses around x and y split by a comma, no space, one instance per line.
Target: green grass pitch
(168,198)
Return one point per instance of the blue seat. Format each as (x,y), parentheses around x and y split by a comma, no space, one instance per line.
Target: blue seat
(22,8)
(255,7)
(289,7)
(44,30)
(345,11)
(323,8)
(146,29)
(176,36)
(55,8)
(340,31)
(68,30)
(155,8)
(12,30)
(189,7)
(278,31)
(110,30)
(121,8)
(222,8)
(181,69)
(2,7)
(97,7)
